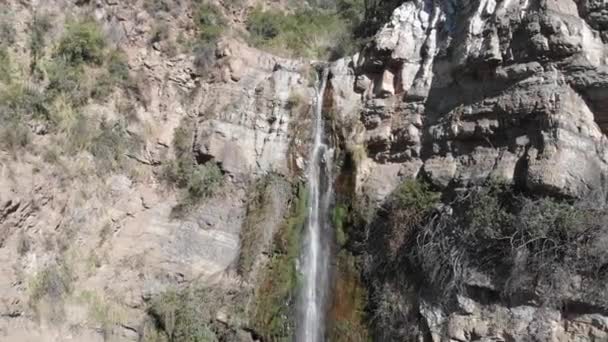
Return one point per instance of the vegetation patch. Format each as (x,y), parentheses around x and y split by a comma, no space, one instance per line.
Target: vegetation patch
(52,283)
(311,33)
(533,249)
(272,315)
(251,236)
(533,245)
(83,42)
(348,314)
(189,315)
(102,312)
(210,22)
(197,182)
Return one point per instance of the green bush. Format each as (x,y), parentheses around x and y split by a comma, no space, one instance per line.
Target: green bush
(204,181)
(83,42)
(416,195)
(410,204)
(313,33)
(198,182)
(526,244)
(118,69)
(183,316)
(210,22)
(160,33)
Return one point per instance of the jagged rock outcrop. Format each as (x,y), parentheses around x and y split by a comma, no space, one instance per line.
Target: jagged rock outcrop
(464,91)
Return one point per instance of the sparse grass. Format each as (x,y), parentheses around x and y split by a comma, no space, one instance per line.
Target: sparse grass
(160,33)
(275,297)
(52,283)
(102,312)
(250,238)
(109,145)
(6,70)
(39,27)
(14,136)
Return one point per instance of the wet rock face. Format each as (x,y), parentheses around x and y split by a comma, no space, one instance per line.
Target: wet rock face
(468,90)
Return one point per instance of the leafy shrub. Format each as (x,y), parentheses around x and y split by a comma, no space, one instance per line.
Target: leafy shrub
(527,244)
(83,42)
(313,33)
(204,181)
(204,57)
(410,204)
(416,195)
(160,32)
(210,22)
(198,182)
(183,316)
(377,13)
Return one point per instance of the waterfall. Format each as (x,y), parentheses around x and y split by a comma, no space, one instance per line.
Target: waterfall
(316,248)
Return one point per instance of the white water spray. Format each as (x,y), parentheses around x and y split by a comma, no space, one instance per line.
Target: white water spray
(316,249)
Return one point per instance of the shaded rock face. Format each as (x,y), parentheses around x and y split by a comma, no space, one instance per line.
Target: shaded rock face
(466,90)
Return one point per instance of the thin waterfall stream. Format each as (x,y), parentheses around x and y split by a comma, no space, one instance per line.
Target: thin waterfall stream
(315,256)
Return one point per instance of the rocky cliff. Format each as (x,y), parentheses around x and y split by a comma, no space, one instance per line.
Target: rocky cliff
(454,92)
(465,92)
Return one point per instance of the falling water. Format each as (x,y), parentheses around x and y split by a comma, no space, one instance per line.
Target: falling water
(315,252)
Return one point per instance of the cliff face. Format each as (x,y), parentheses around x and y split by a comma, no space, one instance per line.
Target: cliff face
(456,92)
(466,90)
(462,92)
(84,250)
